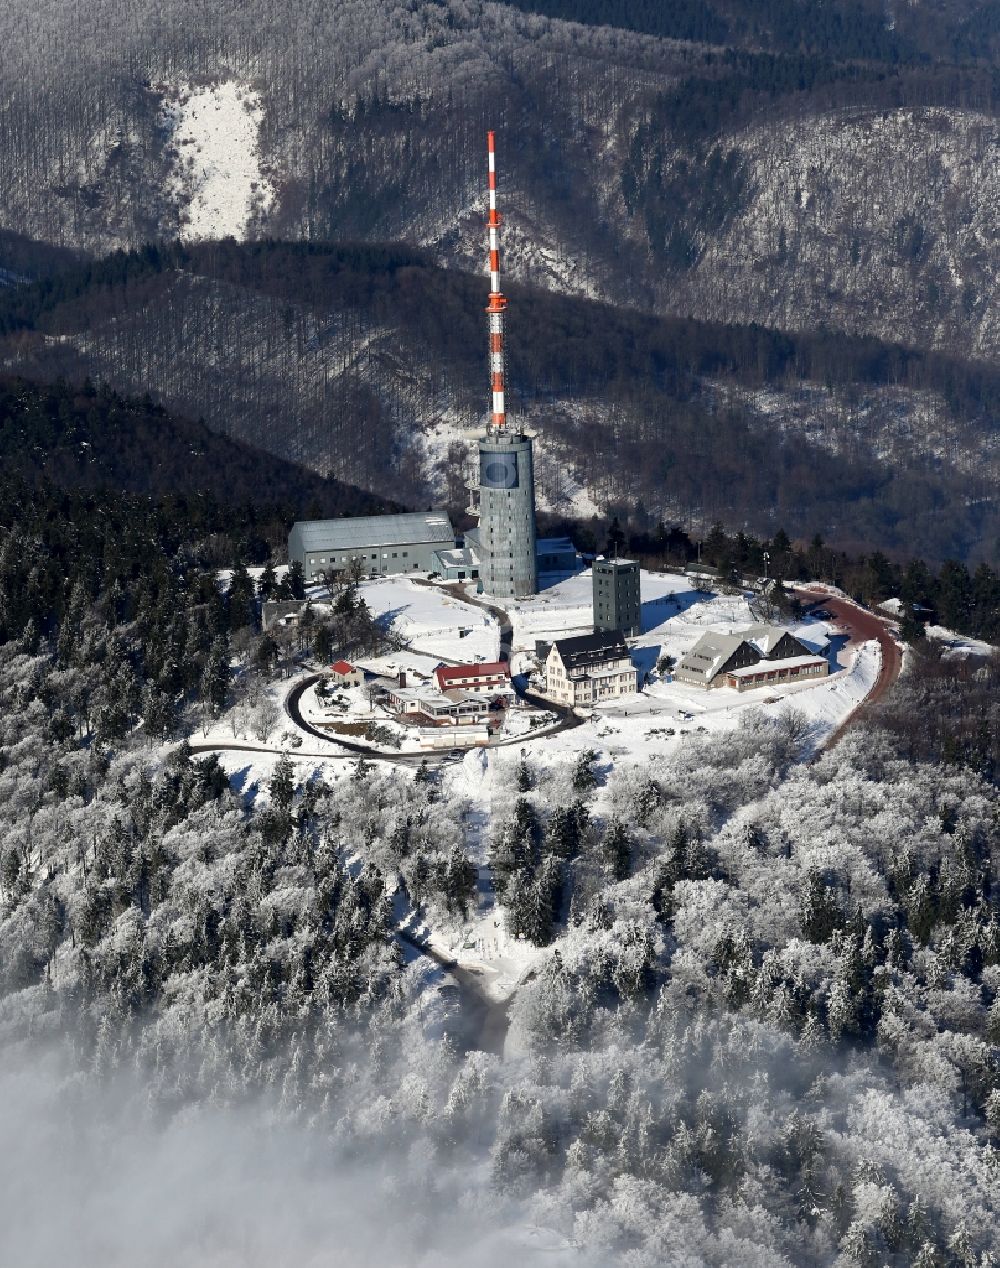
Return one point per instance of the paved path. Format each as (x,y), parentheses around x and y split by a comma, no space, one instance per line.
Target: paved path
(351,752)
(860,625)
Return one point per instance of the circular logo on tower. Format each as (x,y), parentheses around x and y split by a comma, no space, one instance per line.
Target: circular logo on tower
(498,471)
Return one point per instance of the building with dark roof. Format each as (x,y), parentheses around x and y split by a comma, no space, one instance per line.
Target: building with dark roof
(592,669)
(738,659)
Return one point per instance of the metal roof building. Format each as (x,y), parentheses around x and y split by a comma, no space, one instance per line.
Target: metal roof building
(382,544)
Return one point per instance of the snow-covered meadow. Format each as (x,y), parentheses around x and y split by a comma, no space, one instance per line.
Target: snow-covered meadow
(216,178)
(431,622)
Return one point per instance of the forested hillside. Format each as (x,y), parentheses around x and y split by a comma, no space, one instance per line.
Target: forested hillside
(762,1025)
(797,164)
(865,29)
(365,363)
(816,170)
(93,441)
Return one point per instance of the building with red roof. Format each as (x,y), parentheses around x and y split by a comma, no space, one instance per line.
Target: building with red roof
(346,674)
(487,678)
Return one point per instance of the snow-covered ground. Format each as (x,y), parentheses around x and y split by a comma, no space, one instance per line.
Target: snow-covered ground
(655,723)
(674,615)
(959,644)
(225,575)
(216,177)
(482,944)
(431,620)
(954,645)
(446,446)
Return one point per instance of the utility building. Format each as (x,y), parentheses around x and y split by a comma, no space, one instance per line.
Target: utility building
(617,603)
(379,544)
(504,542)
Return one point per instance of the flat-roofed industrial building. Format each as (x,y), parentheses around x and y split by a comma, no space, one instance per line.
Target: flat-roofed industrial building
(381,544)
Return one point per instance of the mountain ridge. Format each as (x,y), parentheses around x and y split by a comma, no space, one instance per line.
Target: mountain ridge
(364,362)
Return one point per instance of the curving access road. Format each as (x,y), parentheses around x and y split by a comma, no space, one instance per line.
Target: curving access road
(861,626)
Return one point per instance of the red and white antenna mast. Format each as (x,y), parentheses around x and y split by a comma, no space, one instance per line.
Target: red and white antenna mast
(498,301)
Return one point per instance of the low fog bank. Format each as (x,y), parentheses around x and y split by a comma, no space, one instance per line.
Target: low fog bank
(88,1178)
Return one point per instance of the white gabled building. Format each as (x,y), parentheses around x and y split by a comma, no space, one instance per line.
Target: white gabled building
(488,677)
(592,669)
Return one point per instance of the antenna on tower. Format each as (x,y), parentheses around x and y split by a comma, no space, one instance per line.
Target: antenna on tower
(498,301)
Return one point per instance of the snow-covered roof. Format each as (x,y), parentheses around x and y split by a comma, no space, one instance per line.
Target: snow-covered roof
(431,697)
(765,637)
(712,650)
(777,666)
(710,653)
(354,532)
(456,558)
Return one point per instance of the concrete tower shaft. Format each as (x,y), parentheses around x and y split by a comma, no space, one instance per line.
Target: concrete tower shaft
(508,564)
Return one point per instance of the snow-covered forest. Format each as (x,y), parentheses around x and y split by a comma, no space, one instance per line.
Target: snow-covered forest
(271,997)
(760,1026)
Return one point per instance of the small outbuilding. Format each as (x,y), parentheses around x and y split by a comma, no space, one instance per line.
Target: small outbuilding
(344,674)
